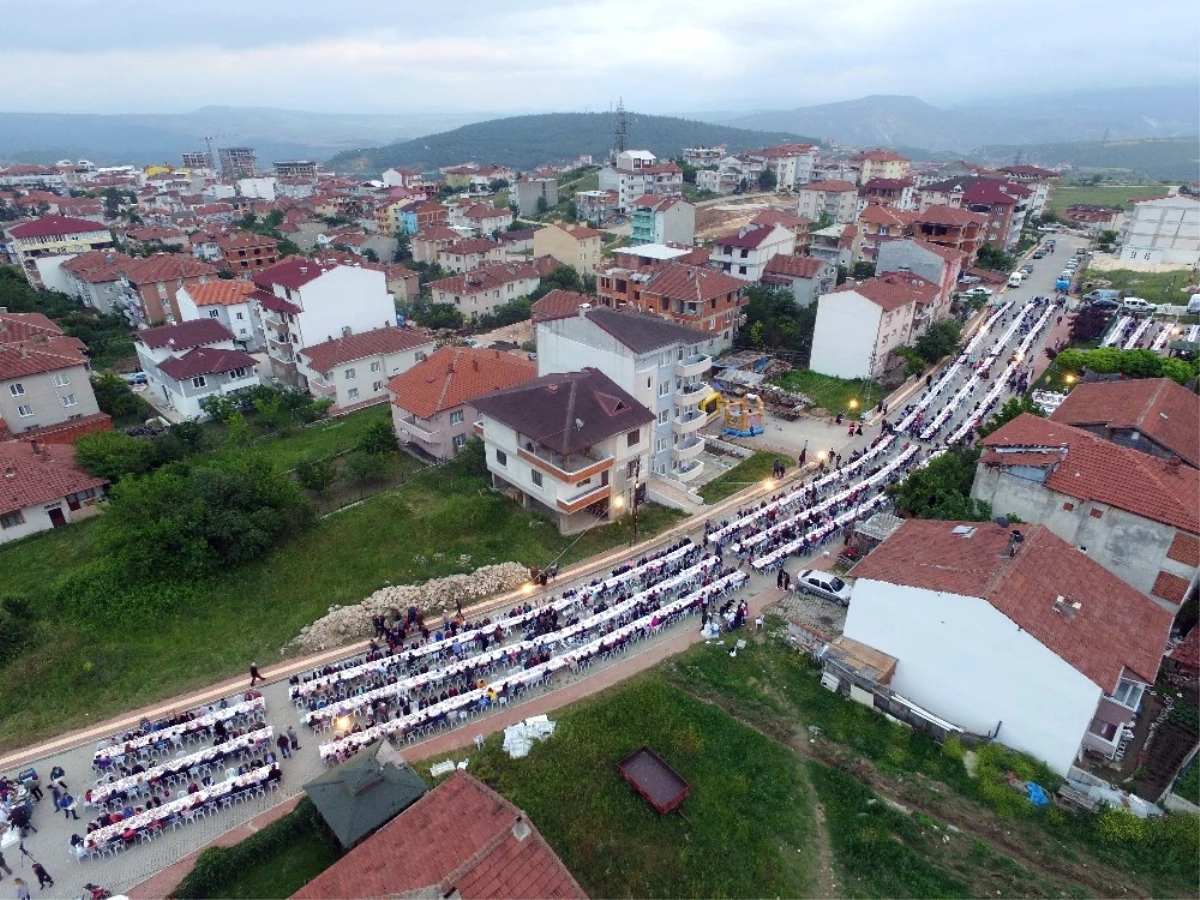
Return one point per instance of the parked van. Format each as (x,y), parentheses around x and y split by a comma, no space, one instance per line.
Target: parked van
(1193,306)
(1138,305)
(1015,279)
(1093,296)
(1064,282)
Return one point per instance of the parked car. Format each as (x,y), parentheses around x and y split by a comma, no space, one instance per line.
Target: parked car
(823,584)
(1039,254)
(1104,303)
(1027,268)
(1193,306)
(1138,305)
(979,291)
(1101,294)
(136,378)
(1015,279)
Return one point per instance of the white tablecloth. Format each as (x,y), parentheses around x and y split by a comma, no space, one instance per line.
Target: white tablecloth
(120,748)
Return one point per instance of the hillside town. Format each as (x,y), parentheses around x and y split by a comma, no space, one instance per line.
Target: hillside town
(885,467)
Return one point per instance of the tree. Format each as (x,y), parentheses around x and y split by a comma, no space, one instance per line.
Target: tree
(370,255)
(1089,324)
(542,205)
(689,171)
(1013,407)
(378,437)
(497,184)
(563,277)
(238,431)
(940,339)
(994,259)
(113,455)
(824,220)
(767,179)
(114,397)
(572,211)
(942,489)
(774,320)
(361,469)
(863,270)
(403,251)
(274,218)
(315,474)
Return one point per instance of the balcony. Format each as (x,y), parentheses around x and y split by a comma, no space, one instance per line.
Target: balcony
(564,468)
(691,392)
(321,389)
(692,366)
(689,471)
(584,499)
(420,432)
(689,448)
(690,422)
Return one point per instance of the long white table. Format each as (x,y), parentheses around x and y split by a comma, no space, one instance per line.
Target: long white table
(120,748)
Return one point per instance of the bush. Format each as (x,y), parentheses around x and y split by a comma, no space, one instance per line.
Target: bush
(315,474)
(113,455)
(16,621)
(115,398)
(942,489)
(939,340)
(378,437)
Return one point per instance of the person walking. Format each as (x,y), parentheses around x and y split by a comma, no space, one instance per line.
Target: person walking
(43,877)
(255,677)
(22,889)
(4,867)
(67,804)
(284,746)
(291,733)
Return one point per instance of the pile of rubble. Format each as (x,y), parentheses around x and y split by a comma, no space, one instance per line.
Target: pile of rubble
(778,396)
(346,623)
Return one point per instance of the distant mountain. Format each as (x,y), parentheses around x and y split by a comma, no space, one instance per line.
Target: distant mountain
(1156,159)
(890,121)
(525,142)
(144,138)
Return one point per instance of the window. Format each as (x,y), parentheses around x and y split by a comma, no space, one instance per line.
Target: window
(631,468)
(214,314)
(198,381)
(377,386)
(25,411)
(663,416)
(1128,693)
(501,458)
(660,445)
(12,519)
(349,374)
(536,477)
(376,366)
(460,441)
(633,438)
(456,417)
(61,379)
(68,400)
(352,394)
(664,388)
(16,389)
(421,357)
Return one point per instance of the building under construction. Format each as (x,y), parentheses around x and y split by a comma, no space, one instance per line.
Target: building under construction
(238,162)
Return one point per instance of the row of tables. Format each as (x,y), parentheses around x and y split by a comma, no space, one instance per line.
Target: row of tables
(118,748)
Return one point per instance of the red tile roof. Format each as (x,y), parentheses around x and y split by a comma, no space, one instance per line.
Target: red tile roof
(206,361)
(222,292)
(940,214)
(462,838)
(579,232)
(31,344)
(97,266)
(834,184)
(437,233)
(782,219)
(29,477)
(749,237)
(796,266)
(267,300)
(293,273)
(684,282)
(56,226)
(887,184)
(379,342)
(456,375)
(487,277)
(878,214)
(1187,654)
(1087,467)
(185,335)
(1166,412)
(559,304)
(894,290)
(1116,626)
(166,267)
(947,253)
(879,155)
(475,245)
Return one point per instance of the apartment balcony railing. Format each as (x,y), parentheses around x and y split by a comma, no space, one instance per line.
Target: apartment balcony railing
(419,431)
(691,392)
(564,468)
(690,422)
(688,449)
(584,499)
(690,470)
(691,366)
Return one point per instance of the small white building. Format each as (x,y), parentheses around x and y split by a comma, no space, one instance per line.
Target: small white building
(229,302)
(744,253)
(1009,633)
(1165,230)
(189,362)
(41,488)
(354,371)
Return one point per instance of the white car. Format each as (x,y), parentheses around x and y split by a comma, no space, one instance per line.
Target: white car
(979,291)
(1138,305)
(1015,279)
(823,584)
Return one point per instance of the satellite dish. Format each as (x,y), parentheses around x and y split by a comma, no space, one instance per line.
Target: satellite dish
(1002,521)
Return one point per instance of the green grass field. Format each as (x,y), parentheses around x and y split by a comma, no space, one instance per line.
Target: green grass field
(1157,287)
(750,471)
(325,438)
(1114,195)
(832,394)
(282,874)
(72,674)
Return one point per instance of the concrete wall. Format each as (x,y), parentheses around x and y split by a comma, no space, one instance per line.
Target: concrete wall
(345,297)
(46,398)
(1131,547)
(966,662)
(845,333)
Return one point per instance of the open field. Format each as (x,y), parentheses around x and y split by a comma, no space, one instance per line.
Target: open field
(1114,195)
(749,471)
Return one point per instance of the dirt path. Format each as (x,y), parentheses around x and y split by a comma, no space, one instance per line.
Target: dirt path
(940,803)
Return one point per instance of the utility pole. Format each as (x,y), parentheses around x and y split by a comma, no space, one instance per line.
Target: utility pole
(637,470)
(620,130)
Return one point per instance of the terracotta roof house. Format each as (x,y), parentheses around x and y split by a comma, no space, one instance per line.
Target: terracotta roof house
(432,403)
(564,444)
(152,285)
(45,378)
(807,277)
(689,295)
(1009,632)
(461,839)
(353,371)
(41,487)
(481,290)
(189,362)
(744,253)
(560,303)
(1153,415)
(574,245)
(1133,513)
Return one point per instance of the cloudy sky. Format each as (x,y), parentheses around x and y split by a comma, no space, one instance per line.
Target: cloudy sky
(660,55)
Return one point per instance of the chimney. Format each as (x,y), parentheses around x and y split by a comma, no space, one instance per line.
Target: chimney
(1173,464)
(38,449)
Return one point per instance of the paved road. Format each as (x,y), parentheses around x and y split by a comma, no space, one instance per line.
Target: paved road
(50,844)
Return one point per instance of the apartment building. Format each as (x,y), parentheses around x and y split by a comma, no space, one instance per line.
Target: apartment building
(226,301)
(662,220)
(44,376)
(836,199)
(189,362)
(744,253)
(151,285)
(479,291)
(39,247)
(353,371)
(577,246)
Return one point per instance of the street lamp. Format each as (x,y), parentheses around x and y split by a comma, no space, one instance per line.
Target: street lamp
(618,503)
(1069,378)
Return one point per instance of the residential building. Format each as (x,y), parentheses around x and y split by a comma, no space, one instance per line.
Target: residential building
(244,251)
(638,172)
(463,256)
(187,363)
(1040,181)
(1133,513)
(940,265)
(1090,215)
(296,168)
(536,194)
(724,181)
(659,363)
(565,444)
(792,164)
(302,302)
(399,177)
(44,375)
(461,839)
(807,277)
(899,193)
(353,371)
(745,253)
(43,488)
(459,176)
(703,156)
(229,302)
(951,227)
(577,246)
(432,240)
(238,162)
(860,325)
(689,295)
(94,279)
(663,219)
(595,207)
(198,159)
(1003,205)
(484,219)
(480,291)
(834,244)
(39,247)
(1152,415)
(432,402)
(151,284)
(836,199)
(797,225)
(878,225)
(558,304)
(1161,230)
(879,163)
(1008,633)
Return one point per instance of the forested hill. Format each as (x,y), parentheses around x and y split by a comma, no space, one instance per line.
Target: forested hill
(525,142)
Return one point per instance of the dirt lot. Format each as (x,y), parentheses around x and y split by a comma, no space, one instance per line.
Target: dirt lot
(729,215)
